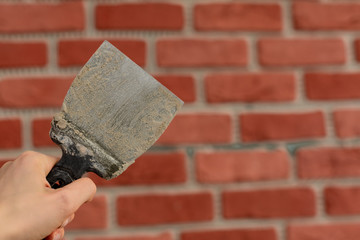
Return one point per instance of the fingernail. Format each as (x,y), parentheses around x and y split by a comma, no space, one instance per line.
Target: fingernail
(65,223)
(57,236)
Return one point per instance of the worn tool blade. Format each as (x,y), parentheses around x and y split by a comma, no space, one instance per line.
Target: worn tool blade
(113,112)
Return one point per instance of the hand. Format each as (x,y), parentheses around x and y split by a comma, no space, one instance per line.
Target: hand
(29,208)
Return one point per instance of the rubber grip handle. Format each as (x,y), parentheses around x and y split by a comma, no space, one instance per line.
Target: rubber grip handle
(68,169)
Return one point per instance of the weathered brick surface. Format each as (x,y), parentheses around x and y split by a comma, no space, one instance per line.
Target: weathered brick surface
(195,52)
(357,49)
(22,54)
(346,122)
(76,52)
(342,200)
(328,162)
(33,92)
(161,236)
(11,132)
(192,128)
(42,17)
(234,166)
(250,87)
(332,86)
(149,169)
(313,15)
(40,132)
(91,215)
(153,209)
(182,86)
(281,126)
(269,203)
(229,234)
(153,16)
(330,231)
(238,16)
(301,52)
(269,133)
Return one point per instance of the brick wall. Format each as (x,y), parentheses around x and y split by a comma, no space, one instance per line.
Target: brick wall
(267,145)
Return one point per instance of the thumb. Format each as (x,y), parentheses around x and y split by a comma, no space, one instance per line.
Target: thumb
(78,192)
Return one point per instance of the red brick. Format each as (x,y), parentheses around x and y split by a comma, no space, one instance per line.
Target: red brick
(250,87)
(152,16)
(182,86)
(328,162)
(332,86)
(162,236)
(357,49)
(346,123)
(190,128)
(330,231)
(309,15)
(30,92)
(40,132)
(76,52)
(238,16)
(269,203)
(281,126)
(342,200)
(42,17)
(149,169)
(298,52)
(164,208)
(223,167)
(22,54)
(11,133)
(231,234)
(91,215)
(201,52)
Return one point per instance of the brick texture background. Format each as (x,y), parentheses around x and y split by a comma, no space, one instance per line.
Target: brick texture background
(267,145)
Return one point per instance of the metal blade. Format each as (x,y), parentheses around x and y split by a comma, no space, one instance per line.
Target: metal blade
(114,111)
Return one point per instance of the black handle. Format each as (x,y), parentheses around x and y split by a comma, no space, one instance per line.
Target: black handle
(68,169)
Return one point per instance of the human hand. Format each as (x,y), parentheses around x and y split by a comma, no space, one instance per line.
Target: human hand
(29,208)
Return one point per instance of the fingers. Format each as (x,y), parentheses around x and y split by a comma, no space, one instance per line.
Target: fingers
(67,221)
(45,162)
(6,165)
(73,195)
(58,234)
(48,162)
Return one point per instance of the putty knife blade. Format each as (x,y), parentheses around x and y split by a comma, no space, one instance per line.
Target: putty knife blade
(113,112)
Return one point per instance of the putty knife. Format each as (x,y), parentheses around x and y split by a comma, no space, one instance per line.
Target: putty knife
(113,112)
